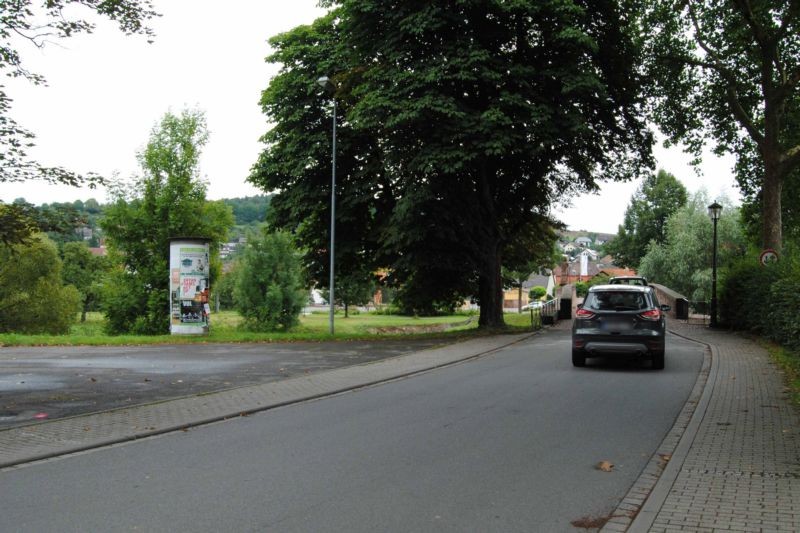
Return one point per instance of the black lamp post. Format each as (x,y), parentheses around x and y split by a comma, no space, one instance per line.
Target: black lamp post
(327,84)
(714,211)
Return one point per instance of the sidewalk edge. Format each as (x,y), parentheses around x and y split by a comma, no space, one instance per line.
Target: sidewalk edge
(637,511)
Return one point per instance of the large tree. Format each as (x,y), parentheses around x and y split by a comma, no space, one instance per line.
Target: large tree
(297,160)
(658,197)
(169,200)
(730,69)
(22,22)
(468,119)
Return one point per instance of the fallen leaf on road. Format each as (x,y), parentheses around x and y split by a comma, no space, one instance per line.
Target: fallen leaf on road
(665,456)
(93,380)
(605,466)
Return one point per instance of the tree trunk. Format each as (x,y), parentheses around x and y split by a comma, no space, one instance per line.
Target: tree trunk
(771,221)
(519,298)
(490,291)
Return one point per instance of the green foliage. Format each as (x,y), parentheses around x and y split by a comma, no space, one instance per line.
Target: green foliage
(85,272)
(224,288)
(352,289)
(581,289)
(537,293)
(683,261)
(600,279)
(32,296)
(171,203)
(249,209)
(459,124)
(764,299)
(659,196)
(269,292)
(727,71)
(21,24)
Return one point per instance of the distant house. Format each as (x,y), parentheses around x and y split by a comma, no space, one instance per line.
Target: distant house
(547,281)
(85,233)
(614,271)
(569,248)
(589,253)
(512,299)
(583,242)
(99,251)
(567,273)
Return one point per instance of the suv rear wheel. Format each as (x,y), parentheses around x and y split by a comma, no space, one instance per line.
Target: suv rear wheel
(658,361)
(578,358)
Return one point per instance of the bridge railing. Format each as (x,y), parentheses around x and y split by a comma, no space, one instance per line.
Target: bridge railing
(546,314)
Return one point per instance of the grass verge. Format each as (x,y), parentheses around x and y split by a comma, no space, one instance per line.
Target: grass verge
(788,361)
(313,327)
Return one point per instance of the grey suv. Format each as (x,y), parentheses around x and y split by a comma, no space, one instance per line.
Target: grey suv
(619,320)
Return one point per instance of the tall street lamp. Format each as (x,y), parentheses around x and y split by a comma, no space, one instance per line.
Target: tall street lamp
(714,211)
(329,87)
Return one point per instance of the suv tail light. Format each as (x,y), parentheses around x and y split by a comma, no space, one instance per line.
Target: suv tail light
(583,313)
(652,314)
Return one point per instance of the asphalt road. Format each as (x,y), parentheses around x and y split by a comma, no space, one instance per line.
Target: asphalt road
(54,382)
(508,442)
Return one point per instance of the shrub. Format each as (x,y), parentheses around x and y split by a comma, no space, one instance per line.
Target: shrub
(269,291)
(763,299)
(581,289)
(32,296)
(537,292)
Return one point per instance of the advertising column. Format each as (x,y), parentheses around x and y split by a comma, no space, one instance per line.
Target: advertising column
(189,286)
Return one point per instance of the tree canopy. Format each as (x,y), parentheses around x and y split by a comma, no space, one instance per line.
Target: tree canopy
(682,261)
(167,201)
(658,197)
(461,123)
(730,71)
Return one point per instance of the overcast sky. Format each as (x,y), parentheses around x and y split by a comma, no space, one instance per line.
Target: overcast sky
(106,92)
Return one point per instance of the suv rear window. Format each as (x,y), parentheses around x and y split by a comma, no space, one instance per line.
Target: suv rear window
(615,301)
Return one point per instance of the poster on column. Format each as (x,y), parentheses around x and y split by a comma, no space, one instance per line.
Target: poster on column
(189,285)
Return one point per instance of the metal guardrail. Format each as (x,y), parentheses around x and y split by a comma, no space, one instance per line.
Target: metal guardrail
(547,314)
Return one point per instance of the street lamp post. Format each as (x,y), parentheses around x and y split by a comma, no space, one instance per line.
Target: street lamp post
(714,211)
(327,84)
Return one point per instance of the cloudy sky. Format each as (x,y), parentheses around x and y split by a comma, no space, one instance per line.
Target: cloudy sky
(106,91)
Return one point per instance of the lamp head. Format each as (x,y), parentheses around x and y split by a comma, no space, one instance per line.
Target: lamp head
(326,83)
(714,211)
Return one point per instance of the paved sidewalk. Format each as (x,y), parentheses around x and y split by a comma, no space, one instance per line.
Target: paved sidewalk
(736,467)
(48,439)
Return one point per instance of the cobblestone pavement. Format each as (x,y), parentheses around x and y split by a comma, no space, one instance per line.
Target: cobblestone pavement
(736,467)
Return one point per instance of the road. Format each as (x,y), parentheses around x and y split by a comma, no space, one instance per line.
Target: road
(50,383)
(507,442)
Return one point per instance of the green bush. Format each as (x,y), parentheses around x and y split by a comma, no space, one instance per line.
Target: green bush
(581,289)
(32,296)
(537,292)
(763,299)
(269,292)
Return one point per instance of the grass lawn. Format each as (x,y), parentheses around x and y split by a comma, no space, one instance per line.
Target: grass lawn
(313,327)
